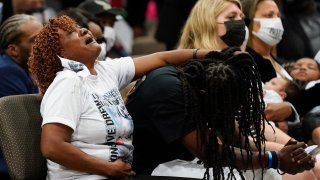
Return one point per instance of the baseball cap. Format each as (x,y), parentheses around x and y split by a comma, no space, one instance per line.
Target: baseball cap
(100,7)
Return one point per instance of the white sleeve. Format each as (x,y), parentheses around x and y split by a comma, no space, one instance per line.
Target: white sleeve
(61,103)
(123,70)
(296,120)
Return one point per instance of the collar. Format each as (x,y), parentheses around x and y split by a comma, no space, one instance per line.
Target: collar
(75,66)
(312,83)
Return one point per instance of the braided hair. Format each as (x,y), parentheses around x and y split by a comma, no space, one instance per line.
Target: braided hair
(223,93)
(10,31)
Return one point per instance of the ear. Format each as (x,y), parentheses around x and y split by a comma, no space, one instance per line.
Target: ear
(13,50)
(283,94)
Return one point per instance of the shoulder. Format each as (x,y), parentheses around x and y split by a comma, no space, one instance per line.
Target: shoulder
(159,85)
(251,51)
(65,79)
(7,66)
(109,63)
(10,70)
(164,78)
(67,74)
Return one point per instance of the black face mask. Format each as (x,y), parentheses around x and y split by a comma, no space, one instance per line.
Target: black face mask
(235,34)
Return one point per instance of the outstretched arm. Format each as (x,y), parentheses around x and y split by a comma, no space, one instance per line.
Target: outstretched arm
(147,63)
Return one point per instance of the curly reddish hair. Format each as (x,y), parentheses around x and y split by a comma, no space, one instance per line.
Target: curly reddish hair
(44,62)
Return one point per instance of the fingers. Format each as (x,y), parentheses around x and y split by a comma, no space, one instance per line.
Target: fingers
(304,158)
(296,148)
(297,152)
(291,142)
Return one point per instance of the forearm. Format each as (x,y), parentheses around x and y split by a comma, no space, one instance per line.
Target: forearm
(242,162)
(56,146)
(73,158)
(190,142)
(144,64)
(180,56)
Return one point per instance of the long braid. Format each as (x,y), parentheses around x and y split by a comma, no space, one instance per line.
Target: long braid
(221,91)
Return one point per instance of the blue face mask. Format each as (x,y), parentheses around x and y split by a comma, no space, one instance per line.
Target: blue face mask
(235,34)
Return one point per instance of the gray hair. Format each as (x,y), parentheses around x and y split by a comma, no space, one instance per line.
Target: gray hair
(10,31)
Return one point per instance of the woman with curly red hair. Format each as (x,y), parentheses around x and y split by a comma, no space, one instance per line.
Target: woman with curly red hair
(87,131)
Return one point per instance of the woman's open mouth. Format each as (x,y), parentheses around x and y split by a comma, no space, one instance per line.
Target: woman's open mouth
(89,40)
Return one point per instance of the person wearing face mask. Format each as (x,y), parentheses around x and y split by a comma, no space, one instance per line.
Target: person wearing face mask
(107,16)
(212,24)
(200,32)
(266,31)
(86,20)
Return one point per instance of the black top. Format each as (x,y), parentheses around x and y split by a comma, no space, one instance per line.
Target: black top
(307,100)
(266,69)
(157,109)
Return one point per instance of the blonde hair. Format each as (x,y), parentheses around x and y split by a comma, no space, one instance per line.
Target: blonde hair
(200,30)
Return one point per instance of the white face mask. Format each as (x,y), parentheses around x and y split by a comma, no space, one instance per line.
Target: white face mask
(270,31)
(110,36)
(103,52)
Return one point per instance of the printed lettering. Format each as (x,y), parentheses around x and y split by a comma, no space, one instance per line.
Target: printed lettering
(110,127)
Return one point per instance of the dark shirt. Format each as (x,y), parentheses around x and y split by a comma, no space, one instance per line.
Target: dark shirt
(267,71)
(307,99)
(301,37)
(158,112)
(14,80)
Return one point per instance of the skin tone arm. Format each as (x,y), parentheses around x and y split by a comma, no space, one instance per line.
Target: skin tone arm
(147,63)
(293,158)
(57,148)
(278,111)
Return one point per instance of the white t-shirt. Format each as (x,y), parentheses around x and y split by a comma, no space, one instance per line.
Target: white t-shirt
(92,106)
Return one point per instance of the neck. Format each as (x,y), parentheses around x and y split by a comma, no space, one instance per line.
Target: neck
(19,62)
(91,69)
(260,47)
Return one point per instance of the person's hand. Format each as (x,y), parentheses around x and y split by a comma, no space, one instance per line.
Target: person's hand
(277,111)
(120,169)
(294,159)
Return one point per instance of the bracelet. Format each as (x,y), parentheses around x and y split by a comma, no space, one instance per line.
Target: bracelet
(194,53)
(275,160)
(269,165)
